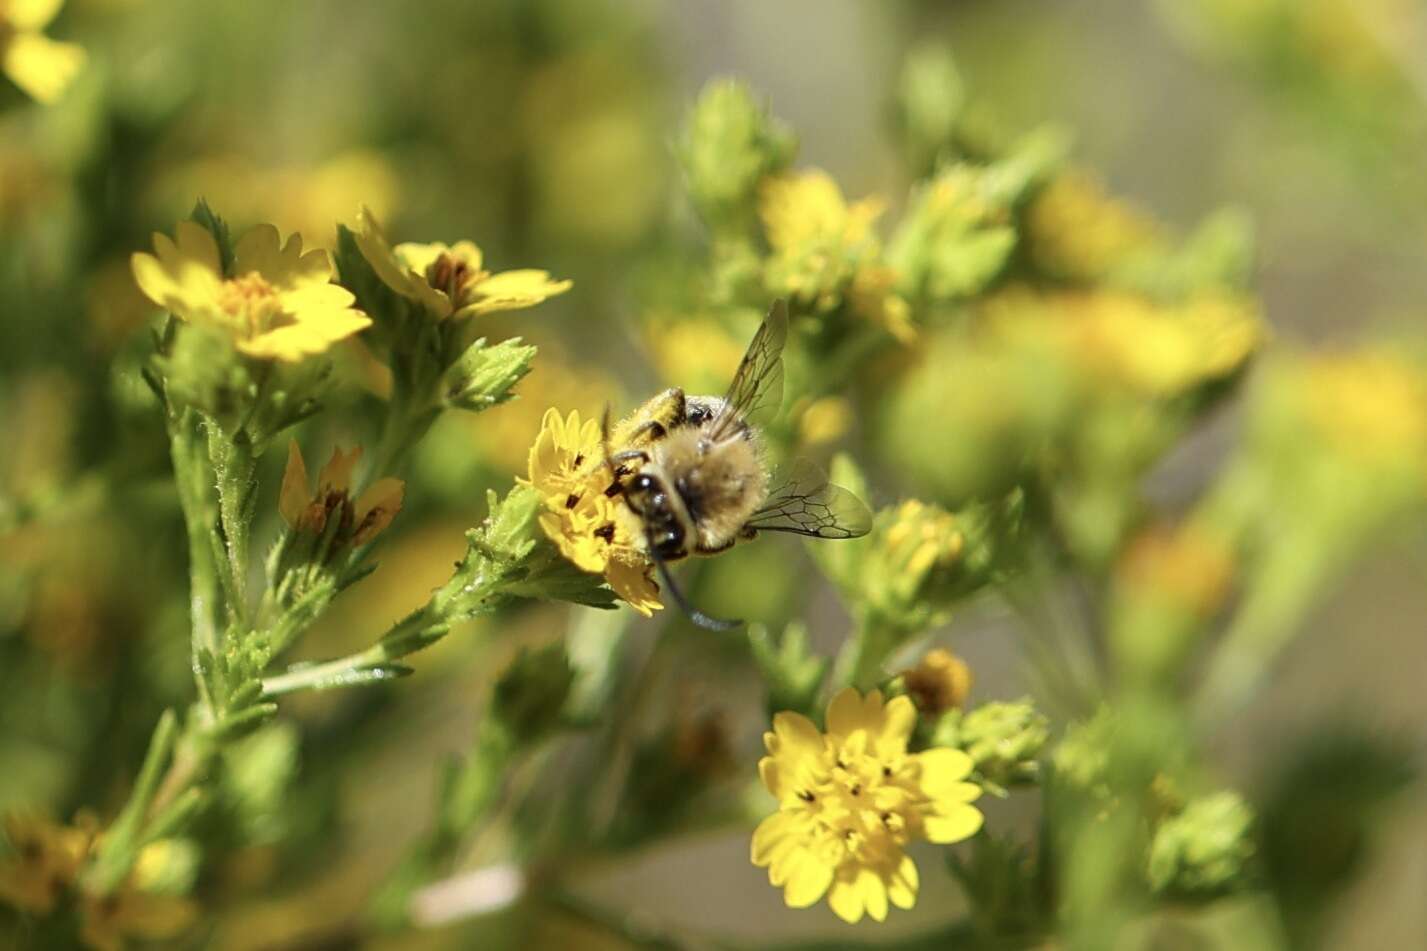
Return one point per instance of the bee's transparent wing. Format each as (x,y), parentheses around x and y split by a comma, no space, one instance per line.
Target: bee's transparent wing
(805,503)
(757,387)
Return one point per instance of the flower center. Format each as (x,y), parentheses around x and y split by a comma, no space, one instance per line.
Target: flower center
(252,304)
(451,275)
(862,804)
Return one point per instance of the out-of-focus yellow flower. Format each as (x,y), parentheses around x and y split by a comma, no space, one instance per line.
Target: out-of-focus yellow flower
(1370,405)
(361,520)
(941,681)
(307,199)
(696,353)
(46,860)
(278,304)
(596,532)
(1128,340)
(825,249)
(42,67)
(1185,567)
(826,420)
(851,799)
(1075,230)
(449,281)
(807,208)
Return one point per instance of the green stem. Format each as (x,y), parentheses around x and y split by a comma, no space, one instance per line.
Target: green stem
(192,478)
(234,463)
(120,846)
(419,629)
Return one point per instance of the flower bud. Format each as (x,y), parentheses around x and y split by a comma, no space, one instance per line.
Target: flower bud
(940,682)
(930,98)
(485,376)
(730,143)
(1205,849)
(529,698)
(1004,740)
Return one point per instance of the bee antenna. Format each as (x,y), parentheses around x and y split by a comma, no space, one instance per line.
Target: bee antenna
(694,614)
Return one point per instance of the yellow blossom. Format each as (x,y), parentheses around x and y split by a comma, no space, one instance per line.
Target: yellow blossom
(594,531)
(42,67)
(851,799)
(1372,405)
(361,520)
(1075,230)
(279,303)
(825,250)
(940,682)
(45,862)
(826,420)
(450,281)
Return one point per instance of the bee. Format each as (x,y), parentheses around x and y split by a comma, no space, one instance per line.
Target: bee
(694,470)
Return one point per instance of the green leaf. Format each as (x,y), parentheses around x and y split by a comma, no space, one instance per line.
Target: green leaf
(205,216)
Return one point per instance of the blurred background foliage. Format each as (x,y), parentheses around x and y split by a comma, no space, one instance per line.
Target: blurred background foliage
(1118,308)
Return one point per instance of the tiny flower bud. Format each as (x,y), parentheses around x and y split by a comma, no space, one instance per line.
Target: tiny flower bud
(485,376)
(1205,849)
(1003,739)
(940,682)
(529,698)
(730,143)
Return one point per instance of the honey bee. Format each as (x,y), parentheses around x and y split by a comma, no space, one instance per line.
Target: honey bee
(693,469)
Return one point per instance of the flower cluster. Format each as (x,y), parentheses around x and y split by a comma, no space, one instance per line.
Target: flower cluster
(851,799)
(593,529)
(42,67)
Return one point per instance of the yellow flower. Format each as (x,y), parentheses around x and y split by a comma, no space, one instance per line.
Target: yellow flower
(1075,230)
(849,802)
(42,67)
(593,531)
(450,281)
(361,521)
(1371,405)
(47,858)
(940,682)
(825,250)
(279,304)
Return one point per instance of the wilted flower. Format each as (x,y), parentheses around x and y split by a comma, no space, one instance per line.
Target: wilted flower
(593,530)
(278,303)
(939,682)
(450,281)
(357,522)
(1205,848)
(40,66)
(110,921)
(851,799)
(46,861)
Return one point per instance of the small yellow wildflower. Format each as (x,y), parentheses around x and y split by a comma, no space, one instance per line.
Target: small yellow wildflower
(825,250)
(279,304)
(46,860)
(826,420)
(851,799)
(42,67)
(1184,566)
(940,682)
(1371,405)
(1075,230)
(449,281)
(595,531)
(361,520)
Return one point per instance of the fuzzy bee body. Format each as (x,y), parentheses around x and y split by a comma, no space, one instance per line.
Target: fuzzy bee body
(693,471)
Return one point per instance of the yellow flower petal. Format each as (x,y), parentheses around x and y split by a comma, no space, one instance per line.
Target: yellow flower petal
(903,884)
(30,15)
(942,769)
(959,823)
(847,713)
(807,882)
(845,900)
(874,893)
(42,67)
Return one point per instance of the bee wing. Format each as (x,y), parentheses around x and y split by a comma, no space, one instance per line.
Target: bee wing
(757,386)
(805,503)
